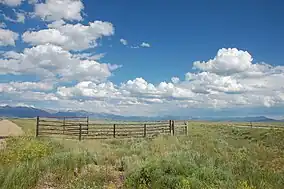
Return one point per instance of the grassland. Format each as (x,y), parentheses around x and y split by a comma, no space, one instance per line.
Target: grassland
(211,156)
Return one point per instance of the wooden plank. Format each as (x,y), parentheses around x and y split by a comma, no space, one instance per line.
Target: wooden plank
(173,127)
(80,133)
(110,127)
(47,133)
(67,117)
(170,127)
(51,129)
(157,129)
(100,124)
(130,133)
(142,123)
(64,125)
(37,125)
(72,129)
(113,130)
(157,126)
(101,130)
(99,134)
(131,136)
(50,125)
(158,123)
(130,127)
(51,121)
(132,130)
(145,130)
(97,138)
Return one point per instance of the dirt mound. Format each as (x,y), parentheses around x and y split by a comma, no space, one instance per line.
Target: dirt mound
(8,128)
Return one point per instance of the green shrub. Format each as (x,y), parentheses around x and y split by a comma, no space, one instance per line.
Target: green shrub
(179,170)
(26,149)
(60,166)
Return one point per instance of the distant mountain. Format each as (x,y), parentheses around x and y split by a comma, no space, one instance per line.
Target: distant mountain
(238,119)
(30,112)
(21,111)
(254,119)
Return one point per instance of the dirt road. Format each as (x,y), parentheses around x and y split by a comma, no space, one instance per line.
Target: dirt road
(8,128)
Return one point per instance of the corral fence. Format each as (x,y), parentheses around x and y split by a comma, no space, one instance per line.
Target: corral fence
(81,128)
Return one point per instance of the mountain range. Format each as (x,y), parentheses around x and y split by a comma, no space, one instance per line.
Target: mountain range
(31,112)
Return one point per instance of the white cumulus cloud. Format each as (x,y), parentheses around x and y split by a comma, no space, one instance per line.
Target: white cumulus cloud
(52,10)
(53,62)
(144,44)
(123,41)
(12,3)
(25,86)
(69,36)
(20,17)
(229,80)
(3,25)
(227,61)
(7,37)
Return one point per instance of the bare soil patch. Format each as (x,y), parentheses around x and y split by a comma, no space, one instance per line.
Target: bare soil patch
(8,128)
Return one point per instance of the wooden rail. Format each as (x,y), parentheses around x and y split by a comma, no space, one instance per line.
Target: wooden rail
(82,128)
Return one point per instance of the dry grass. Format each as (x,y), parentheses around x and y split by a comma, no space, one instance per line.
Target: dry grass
(209,157)
(28,125)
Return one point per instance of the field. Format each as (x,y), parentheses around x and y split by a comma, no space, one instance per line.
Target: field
(213,155)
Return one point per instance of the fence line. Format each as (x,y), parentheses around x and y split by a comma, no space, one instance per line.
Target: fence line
(82,128)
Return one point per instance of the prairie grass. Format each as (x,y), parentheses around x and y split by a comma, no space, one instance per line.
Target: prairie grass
(209,157)
(27,125)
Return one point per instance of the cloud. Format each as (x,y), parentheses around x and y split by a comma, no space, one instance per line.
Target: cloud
(53,62)
(7,37)
(20,17)
(3,25)
(56,10)
(88,89)
(12,3)
(145,45)
(33,1)
(25,86)
(69,36)
(67,74)
(89,56)
(198,90)
(56,24)
(134,47)
(123,41)
(175,80)
(28,97)
(113,67)
(227,61)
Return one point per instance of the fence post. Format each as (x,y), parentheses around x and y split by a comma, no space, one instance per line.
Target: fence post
(63,125)
(186,129)
(113,130)
(145,130)
(250,124)
(173,127)
(80,131)
(37,125)
(87,125)
(170,125)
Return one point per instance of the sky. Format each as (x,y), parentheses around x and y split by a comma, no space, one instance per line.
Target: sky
(144,58)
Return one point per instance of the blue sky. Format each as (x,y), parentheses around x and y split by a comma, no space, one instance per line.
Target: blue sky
(197,56)
(185,31)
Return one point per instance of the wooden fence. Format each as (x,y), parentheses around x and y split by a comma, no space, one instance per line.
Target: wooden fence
(82,128)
